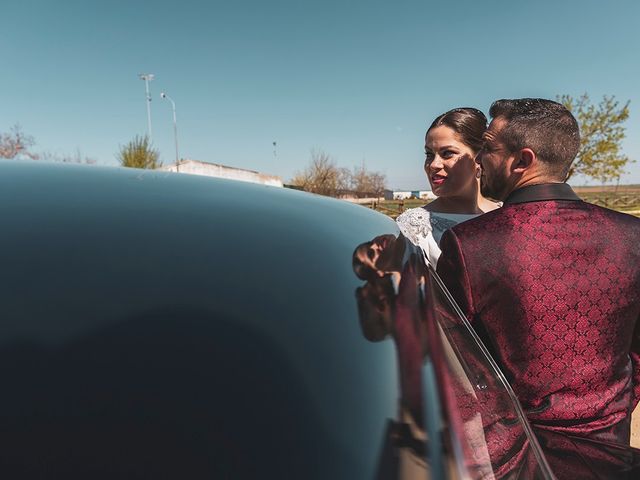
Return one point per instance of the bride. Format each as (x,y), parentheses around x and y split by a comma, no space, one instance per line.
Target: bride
(451,144)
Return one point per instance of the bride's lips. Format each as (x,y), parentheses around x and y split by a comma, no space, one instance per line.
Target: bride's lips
(438,179)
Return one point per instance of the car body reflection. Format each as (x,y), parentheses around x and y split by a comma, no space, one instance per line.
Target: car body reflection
(158,325)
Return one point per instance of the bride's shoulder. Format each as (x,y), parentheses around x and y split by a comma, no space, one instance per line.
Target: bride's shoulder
(415,224)
(414,214)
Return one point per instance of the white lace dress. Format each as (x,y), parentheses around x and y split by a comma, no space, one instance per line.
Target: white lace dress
(424,229)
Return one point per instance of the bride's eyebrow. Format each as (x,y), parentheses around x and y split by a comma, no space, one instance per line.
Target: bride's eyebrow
(442,147)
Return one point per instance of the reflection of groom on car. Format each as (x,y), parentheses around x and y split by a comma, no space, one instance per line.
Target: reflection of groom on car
(551,283)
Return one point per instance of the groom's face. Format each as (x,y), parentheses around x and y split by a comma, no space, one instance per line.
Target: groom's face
(493,158)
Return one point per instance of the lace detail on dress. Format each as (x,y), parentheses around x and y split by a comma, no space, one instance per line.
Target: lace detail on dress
(415,224)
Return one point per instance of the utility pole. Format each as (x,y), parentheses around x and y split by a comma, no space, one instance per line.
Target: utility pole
(147,77)
(175,127)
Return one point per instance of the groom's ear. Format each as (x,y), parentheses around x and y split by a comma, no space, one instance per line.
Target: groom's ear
(524,160)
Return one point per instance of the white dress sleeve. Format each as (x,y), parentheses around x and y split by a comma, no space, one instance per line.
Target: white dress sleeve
(415,225)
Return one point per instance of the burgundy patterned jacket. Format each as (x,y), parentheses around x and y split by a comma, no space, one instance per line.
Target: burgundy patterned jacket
(552,285)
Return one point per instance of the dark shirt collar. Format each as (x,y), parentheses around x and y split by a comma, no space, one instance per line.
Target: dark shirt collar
(542,192)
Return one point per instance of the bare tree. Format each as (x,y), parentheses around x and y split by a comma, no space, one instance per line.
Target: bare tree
(324,177)
(76,157)
(16,143)
(365,181)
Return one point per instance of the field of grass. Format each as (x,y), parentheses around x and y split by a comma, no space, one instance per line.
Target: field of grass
(624,198)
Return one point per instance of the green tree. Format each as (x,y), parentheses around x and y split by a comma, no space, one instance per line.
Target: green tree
(601,133)
(139,153)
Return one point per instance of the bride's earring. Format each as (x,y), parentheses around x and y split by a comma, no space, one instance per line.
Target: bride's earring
(478,172)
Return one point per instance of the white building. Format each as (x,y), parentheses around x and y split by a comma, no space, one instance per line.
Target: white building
(195,167)
(406,194)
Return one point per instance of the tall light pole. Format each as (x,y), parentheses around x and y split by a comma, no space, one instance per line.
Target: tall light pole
(175,126)
(147,77)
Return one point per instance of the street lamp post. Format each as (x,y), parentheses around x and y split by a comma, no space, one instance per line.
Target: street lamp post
(175,126)
(147,77)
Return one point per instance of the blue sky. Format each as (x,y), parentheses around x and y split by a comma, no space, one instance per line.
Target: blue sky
(360,79)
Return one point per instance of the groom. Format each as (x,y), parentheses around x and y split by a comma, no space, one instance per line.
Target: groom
(551,283)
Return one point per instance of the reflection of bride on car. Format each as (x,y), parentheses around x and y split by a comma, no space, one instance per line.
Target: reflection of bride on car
(395,302)
(391,303)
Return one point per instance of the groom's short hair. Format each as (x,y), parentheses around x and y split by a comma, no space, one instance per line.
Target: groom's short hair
(545,126)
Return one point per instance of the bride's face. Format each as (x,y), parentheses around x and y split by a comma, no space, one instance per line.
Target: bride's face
(449,165)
